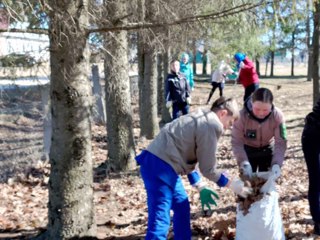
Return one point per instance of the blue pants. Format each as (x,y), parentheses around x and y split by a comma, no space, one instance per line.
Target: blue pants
(311,149)
(179,107)
(165,192)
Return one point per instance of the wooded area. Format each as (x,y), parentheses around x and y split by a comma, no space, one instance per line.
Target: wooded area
(144,35)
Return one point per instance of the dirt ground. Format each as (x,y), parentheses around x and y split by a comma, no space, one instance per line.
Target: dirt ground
(120,199)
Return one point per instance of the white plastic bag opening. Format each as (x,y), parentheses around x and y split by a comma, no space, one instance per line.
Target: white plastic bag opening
(263,221)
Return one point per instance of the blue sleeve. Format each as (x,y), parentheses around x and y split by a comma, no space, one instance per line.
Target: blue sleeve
(194,177)
(191,76)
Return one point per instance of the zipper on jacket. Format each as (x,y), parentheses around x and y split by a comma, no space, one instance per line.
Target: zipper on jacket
(260,135)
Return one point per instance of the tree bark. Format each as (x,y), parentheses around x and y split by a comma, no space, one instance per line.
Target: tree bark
(161,86)
(194,58)
(149,124)
(258,66)
(99,114)
(165,115)
(315,56)
(308,43)
(71,179)
(121,149)
(272,64)
(204,62)
(292,53)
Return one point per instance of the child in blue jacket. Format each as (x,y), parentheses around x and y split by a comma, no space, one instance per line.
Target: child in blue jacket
(186,70)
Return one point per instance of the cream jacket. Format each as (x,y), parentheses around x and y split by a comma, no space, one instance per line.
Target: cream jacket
(189,140)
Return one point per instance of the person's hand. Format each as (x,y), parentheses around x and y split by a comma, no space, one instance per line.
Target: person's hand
(192,89)
(207,196)
(237,186)
(246,169)
(241,65)
(188,100)
(276,171)
(169,104)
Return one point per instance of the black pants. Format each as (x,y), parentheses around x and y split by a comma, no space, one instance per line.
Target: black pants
(249,90)
(216,85)
(259,158)
(311,150)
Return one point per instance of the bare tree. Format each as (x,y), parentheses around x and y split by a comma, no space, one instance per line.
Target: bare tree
(71,179)
(148,68)
(315,56)
(121,149)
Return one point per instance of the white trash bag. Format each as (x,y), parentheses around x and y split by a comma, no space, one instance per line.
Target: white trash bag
(263,221)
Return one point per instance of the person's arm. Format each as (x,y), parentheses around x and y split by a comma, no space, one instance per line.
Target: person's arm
(207,136)
(187,88)
(191,77)
(229,70)
(206,139)
(280,139)
(169,88)
(237,141)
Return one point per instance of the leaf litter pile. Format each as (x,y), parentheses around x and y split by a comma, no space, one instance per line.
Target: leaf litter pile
(255,183)
(120,198)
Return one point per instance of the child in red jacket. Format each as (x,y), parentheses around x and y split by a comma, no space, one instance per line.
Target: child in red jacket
(248,76)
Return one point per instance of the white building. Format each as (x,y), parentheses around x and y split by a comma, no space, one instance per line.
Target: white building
(36,45)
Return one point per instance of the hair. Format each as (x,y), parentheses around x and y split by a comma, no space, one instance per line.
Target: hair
(174,60)
(186,55)
(262,95)
(229,104)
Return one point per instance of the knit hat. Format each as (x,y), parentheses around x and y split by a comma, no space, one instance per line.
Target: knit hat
(185,55)
(239,57)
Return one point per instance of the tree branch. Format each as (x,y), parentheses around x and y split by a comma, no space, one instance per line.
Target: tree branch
(144,25)
(210,16)
(32,30)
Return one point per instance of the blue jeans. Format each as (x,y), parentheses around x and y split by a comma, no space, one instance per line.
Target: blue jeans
(177,107)
(165,192)
(311,150)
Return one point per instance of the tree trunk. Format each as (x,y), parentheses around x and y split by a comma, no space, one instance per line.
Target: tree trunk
(166,116)
(161,86)
(267,63)
(70,204)
(47,126)
(272,64)
(292,53)
(148,86)
(204,62)
(99,107)
(121,149)
(309,45)
(258,66)
(194,58)
(315,57)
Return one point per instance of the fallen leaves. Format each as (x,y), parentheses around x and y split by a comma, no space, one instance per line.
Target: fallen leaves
(120,202)
(255,183)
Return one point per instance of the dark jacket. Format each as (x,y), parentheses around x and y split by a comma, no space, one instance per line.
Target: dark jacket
(313,118)
(177,88)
